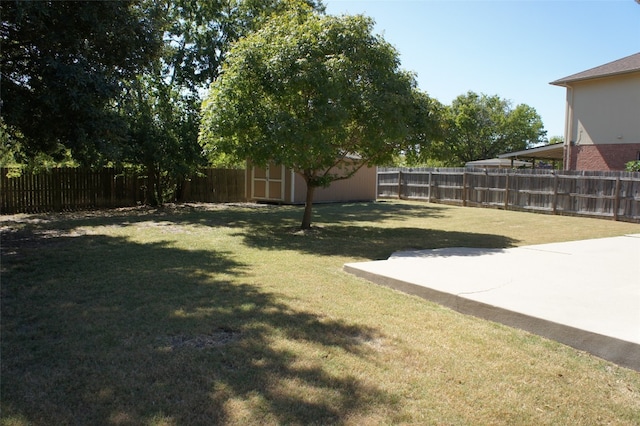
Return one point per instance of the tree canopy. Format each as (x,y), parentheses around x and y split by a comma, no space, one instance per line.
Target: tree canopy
(478,126)
(318,94)
(62,62)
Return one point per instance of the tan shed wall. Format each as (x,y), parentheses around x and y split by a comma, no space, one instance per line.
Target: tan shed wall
(359,187)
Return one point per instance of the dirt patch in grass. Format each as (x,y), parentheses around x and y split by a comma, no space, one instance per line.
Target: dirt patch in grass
(217,338)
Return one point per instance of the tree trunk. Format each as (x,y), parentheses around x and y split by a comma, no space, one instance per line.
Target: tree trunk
(179,193)
(153,189)
(308,205)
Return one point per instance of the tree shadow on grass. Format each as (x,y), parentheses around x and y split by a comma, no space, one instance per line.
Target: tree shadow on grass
(339,213)
(369,242)
(227,215)
(99,329)
(347,229)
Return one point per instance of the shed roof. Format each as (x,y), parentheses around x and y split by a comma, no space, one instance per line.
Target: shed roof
(625,65)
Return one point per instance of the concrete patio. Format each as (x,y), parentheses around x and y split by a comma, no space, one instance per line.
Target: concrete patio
(585,294)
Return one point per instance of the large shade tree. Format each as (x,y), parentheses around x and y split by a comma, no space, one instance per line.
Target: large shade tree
(478,126)
(62,64)
(319,94)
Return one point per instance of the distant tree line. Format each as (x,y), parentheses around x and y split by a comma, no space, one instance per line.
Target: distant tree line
(128,83)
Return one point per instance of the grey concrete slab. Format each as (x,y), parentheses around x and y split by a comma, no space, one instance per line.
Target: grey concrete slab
(585,294)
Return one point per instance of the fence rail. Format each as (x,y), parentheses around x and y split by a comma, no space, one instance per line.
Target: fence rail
(67,189)
(615,195)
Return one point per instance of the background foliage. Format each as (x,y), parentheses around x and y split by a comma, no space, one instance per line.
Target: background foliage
(479,126)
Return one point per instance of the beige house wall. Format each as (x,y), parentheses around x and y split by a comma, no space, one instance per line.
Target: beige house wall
(604,111)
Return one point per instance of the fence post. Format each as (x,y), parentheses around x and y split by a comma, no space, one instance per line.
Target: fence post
(112,187)
(464,189)
(429,188)
(56,179)
(506,192)
(616,200)
(486,187)
(399,184)
(555,192)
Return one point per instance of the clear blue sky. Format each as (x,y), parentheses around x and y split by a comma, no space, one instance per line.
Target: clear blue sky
(509,48)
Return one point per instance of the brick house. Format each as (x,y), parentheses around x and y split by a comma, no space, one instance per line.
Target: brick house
(602,121)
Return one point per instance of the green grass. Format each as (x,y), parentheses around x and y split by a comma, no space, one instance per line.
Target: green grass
(226,315)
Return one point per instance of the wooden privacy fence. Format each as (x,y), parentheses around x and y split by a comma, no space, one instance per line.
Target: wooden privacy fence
(614,195)
(215,186)
(65,189)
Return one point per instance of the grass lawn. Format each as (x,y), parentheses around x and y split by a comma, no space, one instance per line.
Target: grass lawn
(224,315)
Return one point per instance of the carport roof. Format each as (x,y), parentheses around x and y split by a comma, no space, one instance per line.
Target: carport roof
(547,152)
(497,162)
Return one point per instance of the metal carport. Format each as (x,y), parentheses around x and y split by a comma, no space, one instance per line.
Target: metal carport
(553,153)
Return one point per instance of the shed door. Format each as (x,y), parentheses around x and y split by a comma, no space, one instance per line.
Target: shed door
(268,183)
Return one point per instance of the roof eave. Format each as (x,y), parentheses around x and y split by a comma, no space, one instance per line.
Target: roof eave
(565,82)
